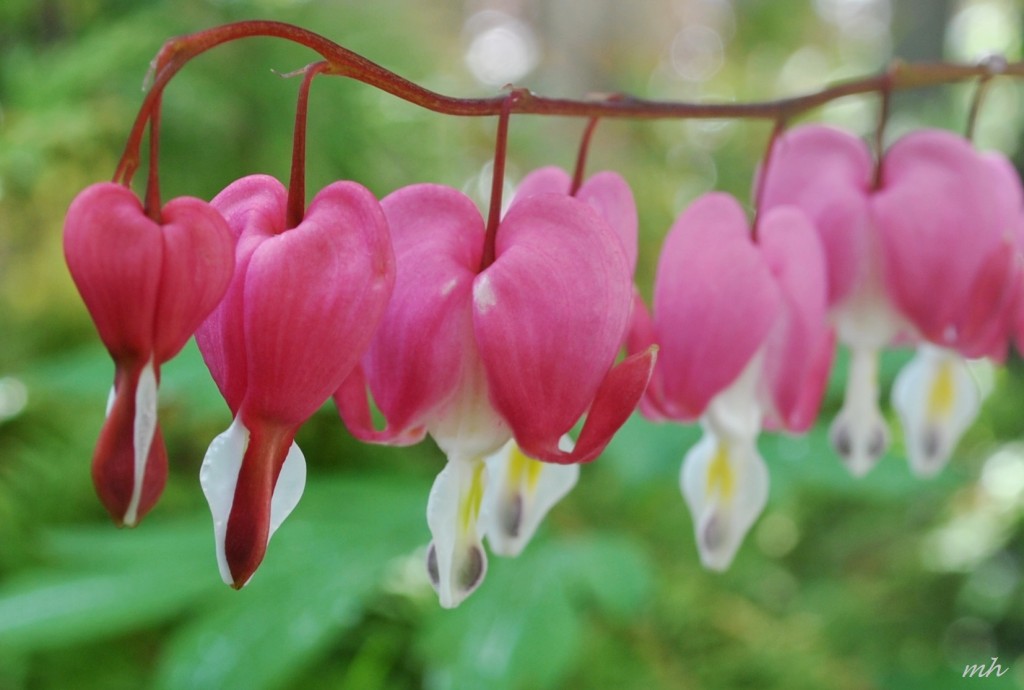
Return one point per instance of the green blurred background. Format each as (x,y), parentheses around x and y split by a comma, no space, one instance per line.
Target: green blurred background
(884,582)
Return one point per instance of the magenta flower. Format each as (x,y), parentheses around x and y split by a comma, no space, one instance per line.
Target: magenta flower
(521,490)
(958,289)
(297,317)
(720,299)
(947,218)
(828,174)
(741,327)
(929,255)
(147,285)
(475,355)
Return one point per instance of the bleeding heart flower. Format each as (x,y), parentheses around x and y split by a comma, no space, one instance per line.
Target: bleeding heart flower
(520,489)
(742,331)
(475,355)
(714,304)
(930,255)
(298,315)
(147,285)
(720,298)
(947,217)
(963,211)
(828,174)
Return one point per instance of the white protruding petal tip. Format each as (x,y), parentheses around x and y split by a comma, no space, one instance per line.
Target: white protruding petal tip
(859,440)
(291,482)
(111,397)
(456,561)
(520,492)
(936,400)
(714,537)
(219,476)
(144,429)
(859,433)
(725,484)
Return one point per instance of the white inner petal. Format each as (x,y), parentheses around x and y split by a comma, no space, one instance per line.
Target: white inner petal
(483,294)
(866,319)
(291,482)
(725,484)
(936,400)
(456,561)
(219,477)
(520,492)
(737,411)
(723,478)
(144,429)
(469,425)
(111,397)
(859,433)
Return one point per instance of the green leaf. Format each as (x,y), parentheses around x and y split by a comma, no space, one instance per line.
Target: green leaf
(611,571)
(525,626)
(104,589)
(263,635)
(327,562)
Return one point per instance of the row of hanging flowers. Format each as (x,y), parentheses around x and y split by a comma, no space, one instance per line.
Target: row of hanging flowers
(497,335)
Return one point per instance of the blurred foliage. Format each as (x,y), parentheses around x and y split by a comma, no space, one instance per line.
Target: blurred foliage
(885,582)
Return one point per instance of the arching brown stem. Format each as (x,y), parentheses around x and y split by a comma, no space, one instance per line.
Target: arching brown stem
(178,51)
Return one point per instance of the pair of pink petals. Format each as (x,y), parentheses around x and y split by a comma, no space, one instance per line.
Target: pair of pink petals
(147,285)
(520,349)
(720,298)
(948,217)
(931,253)
(741,326)
(534,334)
(297,316)
(941,228)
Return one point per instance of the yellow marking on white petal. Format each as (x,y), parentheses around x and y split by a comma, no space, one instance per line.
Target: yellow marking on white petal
(516,465)
(943,393)
(533,469)
(471,500)
(725,484)
(720,475)
(521,466)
